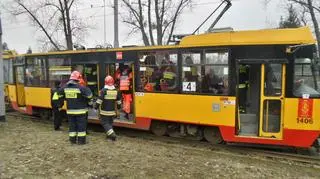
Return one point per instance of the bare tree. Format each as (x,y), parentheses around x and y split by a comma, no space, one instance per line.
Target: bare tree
(155,19)
(308,8)
(292,20)
(54,18)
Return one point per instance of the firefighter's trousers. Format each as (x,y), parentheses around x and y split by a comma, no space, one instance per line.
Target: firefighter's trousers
(127,99)
(77,128)
(57,118)
(107,122)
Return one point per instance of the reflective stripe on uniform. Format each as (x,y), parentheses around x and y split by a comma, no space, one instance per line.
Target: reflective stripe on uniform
(72,134)
(108,113)
(82,134)
(99,101)
(55,96)
(91,83)
(242,85)
(242,69)
(77,111)
(89,97)
(111,95)
(168,75)
(109,132)
(72,93)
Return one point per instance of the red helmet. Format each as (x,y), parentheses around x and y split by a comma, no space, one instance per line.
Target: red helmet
(75,75)
(109,80)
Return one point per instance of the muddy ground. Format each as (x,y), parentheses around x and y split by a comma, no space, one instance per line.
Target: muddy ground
(31,149)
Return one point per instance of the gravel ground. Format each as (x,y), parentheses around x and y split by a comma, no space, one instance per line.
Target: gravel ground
(31,149)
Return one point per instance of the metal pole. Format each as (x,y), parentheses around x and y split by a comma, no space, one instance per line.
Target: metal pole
(116,25)
(104,22)
(2,103)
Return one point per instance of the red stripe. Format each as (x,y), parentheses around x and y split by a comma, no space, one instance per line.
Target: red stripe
(291,137)
(16,107)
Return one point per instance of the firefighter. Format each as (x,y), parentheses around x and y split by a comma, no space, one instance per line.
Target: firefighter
(243,87)
(77,98)
(106,103)
(56,106)
(124,76)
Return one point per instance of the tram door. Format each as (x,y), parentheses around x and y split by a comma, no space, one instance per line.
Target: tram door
(19,80)
(89,72)
(260,99)
(126,113)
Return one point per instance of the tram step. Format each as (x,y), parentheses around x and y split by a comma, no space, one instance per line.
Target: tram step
(248,118)
(249,129)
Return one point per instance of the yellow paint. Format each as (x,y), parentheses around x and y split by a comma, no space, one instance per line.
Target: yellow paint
(264,98)
(20,95)
(39,97)
(301,35)
(185,108)
(12,93)
(291,115)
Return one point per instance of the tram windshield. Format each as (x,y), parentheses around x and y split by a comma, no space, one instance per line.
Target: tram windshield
(306,78)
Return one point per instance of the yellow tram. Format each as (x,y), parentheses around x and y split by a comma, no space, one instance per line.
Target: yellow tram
(193,88)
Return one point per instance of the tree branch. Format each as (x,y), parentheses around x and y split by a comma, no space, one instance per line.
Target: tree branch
(39,23)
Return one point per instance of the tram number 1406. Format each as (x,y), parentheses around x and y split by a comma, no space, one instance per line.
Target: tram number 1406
(304,120)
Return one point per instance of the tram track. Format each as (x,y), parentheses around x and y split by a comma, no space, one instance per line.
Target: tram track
(238,150)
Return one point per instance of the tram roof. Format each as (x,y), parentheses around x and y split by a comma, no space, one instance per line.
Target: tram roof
(300,35)
(8,54)
(288,36)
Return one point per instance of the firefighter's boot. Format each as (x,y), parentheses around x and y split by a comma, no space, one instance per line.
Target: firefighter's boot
(73,140)
(82,140)
(111,135)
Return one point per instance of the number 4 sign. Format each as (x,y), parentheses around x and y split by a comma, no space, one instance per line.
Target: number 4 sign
(189,86)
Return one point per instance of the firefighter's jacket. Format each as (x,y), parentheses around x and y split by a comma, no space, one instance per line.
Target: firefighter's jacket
(243,76)
(58,103)
(77,97)
(107,101)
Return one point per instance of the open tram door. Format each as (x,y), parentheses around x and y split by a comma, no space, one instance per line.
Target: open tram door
(89,71)
(122,72)
(260,93)
(20,75)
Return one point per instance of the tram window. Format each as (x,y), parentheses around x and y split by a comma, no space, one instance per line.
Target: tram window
(158,71)
(10,74)
(59,70)
(36,74)
(6,71)
(273,80)
(208,76)
(191,72)
(306,78)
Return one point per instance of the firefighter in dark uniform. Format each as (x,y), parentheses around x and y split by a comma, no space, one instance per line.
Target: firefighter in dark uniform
(243,87)
(56,106)
(77,98)
(106,103)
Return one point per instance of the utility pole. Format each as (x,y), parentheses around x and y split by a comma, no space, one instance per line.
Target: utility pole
(116,25)
(2,104)
(104,23)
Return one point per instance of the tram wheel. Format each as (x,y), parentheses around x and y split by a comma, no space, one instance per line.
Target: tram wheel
(159,128)
(212,135)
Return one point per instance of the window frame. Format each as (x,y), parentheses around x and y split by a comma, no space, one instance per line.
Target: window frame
(44,61)
(178,76)
(203,65)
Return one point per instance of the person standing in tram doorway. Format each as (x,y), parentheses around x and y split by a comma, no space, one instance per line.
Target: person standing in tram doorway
(125,76)
(243,87)
(77,98)
(109,95)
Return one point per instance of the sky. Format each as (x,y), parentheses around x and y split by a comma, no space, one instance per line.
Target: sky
(243,15)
